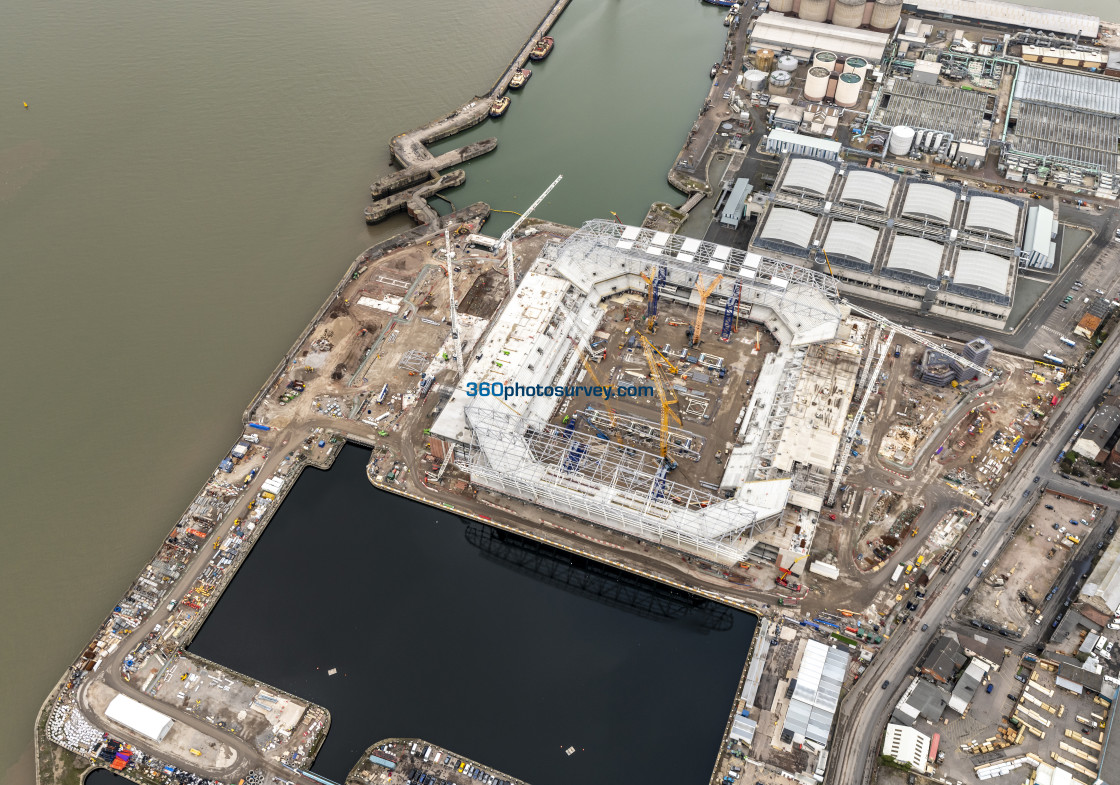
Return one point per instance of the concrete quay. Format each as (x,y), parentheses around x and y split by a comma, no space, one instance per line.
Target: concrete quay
(392,761)
(414,200)
(409,149)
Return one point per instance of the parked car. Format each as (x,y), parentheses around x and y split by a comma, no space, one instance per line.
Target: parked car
(886,684)
(925,627)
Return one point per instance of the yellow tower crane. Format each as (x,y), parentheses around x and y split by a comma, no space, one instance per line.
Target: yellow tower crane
(590,372)
(666,399)
(650,281)
(703,302)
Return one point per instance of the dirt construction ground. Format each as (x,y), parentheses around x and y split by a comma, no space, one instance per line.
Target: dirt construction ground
(1029,566)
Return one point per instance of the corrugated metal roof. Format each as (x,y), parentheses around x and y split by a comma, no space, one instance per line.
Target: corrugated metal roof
(982,270)
(1018,15)
(1040,225)
(864,186)
(809,174)
(926,200)
(773,27)
(998,215)
(916,255)
(1068,89)
(791,226)
(851,239)
(817,693)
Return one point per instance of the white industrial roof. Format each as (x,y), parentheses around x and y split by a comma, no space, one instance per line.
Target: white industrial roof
(1018,15)
(138,717)
(926,200)
(851,239)
(864,186)
(982,270)
(791,226)
(916,255)
(1104,581)
(817,693)
(801,36)
(997,215)
(794,139)
(906,745)
(809,174)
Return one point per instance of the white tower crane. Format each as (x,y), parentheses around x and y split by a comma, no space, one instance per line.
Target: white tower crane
(505,240)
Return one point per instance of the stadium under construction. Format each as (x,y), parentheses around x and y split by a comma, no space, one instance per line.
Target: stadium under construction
(736,477)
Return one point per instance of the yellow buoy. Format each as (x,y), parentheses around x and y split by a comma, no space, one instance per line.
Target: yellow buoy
(25,106)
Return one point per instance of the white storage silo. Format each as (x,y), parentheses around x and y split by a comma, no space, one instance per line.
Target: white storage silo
(901,140)
(856,65)
(847,90)
(755,81)
(816,83)
(787,63)
(885,14)
(780,82)
(813,10)
(848,13)
(825,59)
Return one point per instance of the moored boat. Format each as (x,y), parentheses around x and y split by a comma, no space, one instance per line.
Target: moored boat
(543,47)
(499,107)
(520,77)
(715,70)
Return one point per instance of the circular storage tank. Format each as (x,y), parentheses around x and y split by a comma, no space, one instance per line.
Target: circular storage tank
(754,81)
(781,6)
(848,13)
(764,60)
(855,65)
(813,10)
(780,82)
(847,91)
(787,63)
(825,60)
(816,83)
(885,14)
(901,140)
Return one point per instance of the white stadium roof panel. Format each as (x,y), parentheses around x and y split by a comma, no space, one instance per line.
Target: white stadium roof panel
(916,255)
(791,226)
(997,215)
(925,200)
(631,232)
(851,239)
(982,270)
(864,186)
(690,245)
(809,174)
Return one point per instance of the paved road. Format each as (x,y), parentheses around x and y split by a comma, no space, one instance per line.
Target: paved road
(866,707)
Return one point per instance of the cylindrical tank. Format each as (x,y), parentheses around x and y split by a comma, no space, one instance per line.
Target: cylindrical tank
(848,13)
(764,60)
(825,59)
(816,83)
(813,10)
(787,63)
(779,82)
(855,65)
(781,6)
(847,90)
(754,80)
(885,14)
(901,140)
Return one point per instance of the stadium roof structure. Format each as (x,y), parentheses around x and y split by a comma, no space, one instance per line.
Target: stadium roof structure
(809,174)
(851,240)
(915,255)
(788,226)
(868,187)
(926,200)
(993,214)
(982,271)
(817,693)
(517,451)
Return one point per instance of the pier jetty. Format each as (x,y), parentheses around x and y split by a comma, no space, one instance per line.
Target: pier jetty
(409,150)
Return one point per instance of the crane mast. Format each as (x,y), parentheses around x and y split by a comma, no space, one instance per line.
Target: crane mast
(666,400)
(457,342)
(703,304)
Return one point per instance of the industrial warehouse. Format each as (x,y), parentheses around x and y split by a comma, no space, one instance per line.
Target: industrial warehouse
(934,247)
